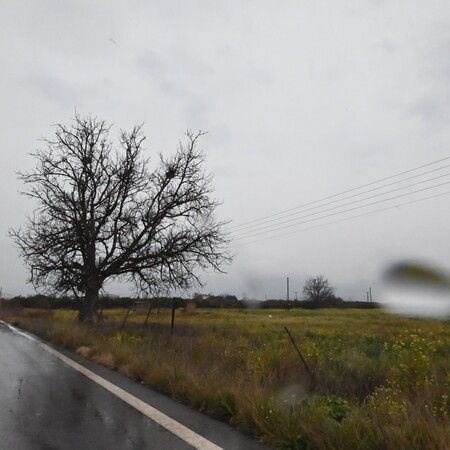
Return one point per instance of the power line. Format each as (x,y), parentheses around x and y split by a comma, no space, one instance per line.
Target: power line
(345,211)
(339,194)
(262,222)
(345,219)
(277,225)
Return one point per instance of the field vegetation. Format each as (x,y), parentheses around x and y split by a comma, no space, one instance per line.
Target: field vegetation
(371,381)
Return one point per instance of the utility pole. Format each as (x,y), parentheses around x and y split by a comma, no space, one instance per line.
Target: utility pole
(287,286)
(296,295)
(370,294)
(367,295)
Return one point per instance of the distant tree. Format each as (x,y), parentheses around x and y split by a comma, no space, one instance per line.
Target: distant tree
(104,214)
(317,289)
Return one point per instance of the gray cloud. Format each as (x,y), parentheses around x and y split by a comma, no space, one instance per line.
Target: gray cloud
(300,101)
(53,89)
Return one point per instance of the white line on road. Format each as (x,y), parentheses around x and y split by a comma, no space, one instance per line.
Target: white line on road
(176,428)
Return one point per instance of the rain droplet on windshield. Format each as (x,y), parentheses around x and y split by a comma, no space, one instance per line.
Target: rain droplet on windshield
(417,289)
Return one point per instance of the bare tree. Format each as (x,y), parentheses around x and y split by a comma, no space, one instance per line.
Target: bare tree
(103,214)
(317,289)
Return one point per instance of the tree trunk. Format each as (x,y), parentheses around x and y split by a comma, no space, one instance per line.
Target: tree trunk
(89,306)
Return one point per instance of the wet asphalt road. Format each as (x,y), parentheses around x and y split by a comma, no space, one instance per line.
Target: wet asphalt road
(45,404)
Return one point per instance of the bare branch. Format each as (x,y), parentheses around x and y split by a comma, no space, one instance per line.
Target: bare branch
(103,213)
(317,289)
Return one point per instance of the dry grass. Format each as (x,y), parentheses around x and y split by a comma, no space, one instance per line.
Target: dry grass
(380,381)
(84,351)
(104,359)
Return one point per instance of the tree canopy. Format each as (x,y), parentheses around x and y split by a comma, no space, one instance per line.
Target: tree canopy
(106,212)
(317,289)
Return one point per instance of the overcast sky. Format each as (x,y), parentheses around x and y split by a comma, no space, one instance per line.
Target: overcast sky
(301,101)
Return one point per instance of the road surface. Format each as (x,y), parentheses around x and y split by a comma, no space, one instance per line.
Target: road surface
(47,404)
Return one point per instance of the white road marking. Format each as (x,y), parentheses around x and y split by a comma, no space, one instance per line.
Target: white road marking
(176,428)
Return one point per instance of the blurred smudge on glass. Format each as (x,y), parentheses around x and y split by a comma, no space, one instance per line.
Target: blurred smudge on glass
(293,394)
(416,289)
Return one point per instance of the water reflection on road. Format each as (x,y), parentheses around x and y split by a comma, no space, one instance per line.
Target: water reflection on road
(47,405)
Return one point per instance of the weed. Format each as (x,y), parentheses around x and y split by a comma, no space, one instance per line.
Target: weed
(380,381)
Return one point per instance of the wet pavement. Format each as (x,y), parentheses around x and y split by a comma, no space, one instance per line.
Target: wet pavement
(45,404)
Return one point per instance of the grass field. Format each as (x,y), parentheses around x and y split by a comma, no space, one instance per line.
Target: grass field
(374,381)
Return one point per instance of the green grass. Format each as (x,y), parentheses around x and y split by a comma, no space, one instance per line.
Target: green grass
(379,381)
